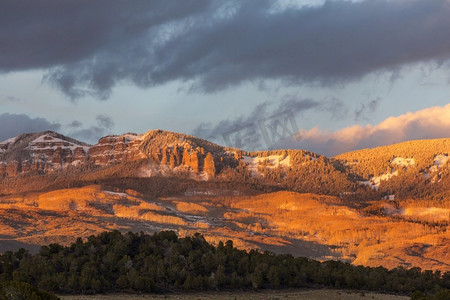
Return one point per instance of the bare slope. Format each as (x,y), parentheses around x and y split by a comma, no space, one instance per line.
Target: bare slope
(320,227)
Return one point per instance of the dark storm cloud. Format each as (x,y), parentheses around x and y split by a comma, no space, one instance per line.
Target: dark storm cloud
(15,124)
(91,134)
(90,46)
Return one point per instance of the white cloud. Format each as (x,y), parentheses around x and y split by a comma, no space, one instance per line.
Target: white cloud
(433,122)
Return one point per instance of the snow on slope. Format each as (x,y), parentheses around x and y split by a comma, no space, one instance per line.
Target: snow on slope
(440,160)
(375,182)
(271,161)
(9,141)
(5,144)
(46,141)
(404,162)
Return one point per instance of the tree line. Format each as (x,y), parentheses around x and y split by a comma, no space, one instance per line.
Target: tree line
(162,262)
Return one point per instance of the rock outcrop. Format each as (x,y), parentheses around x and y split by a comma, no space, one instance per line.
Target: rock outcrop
(209,166)
(114,149)
(40,153)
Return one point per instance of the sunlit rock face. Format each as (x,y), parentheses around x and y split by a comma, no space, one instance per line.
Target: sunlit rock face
(113,149)
(44,152)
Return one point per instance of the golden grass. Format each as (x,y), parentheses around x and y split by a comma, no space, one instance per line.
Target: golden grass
(368,238)
(304,224)
(191,208)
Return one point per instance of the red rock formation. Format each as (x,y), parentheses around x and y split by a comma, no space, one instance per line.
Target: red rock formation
(39,153)
(12,168)
(2,169)
(194,161)
(177,156)
(209,166)
(164,156)
(172,161)
(26,166)
(113,149)
(186,158)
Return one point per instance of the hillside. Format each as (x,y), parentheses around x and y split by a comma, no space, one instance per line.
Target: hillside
(163,262)
(349,207)
(158,153)
(421,155)
(409,169)
(311,225)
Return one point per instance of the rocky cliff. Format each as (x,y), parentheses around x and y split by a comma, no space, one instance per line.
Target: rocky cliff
(397,171)
(44,152)
(40,153)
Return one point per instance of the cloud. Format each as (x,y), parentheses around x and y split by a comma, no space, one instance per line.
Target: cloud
(365,109)
(88,47)
(104,121)
(433,122)
(75,124)
(102,41)
(15,124)
(8,99)
(91,134)
(248,130)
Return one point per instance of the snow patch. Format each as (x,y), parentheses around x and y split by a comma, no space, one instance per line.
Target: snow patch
(271,161)
(375,182)
(116,194)
(405,162)
(440,160)
(130,137)
(47,142)
(9,141)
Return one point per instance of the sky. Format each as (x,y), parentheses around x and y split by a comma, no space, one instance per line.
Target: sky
(325,76)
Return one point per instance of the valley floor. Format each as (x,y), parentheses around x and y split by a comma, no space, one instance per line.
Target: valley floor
(287,294)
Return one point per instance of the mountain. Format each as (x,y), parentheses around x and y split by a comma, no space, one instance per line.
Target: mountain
(415,168)
(385,206)
(159,153)
(423,155)
(44,152)
(39,153)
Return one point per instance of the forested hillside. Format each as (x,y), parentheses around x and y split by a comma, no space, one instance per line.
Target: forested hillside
(379,160)
(163,262)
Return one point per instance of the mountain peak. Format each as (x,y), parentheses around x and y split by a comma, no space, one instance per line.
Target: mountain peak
(157,138)
(40,136)
(37,144)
